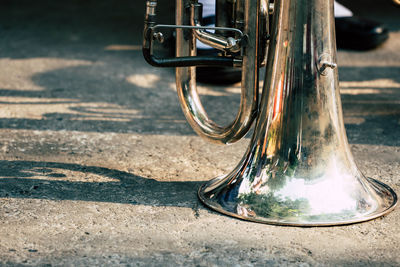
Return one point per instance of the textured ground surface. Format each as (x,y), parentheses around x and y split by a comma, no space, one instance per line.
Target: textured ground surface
(98,165)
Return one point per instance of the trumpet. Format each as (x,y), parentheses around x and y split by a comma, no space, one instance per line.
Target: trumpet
(298,169)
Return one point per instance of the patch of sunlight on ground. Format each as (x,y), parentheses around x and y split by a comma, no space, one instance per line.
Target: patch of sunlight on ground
(373,84)
(38,108)
(62,174)
(148,80)
(117,47)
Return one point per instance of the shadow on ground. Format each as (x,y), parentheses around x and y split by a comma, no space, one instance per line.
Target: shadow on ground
(151,110)
(54,181)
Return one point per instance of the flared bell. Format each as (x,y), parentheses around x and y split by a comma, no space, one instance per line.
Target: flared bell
(298,169)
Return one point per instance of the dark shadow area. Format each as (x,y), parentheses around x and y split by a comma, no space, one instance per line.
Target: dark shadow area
(72,24)
(382,130)
(379,108)
(17,180)
(383,11)
(359,74)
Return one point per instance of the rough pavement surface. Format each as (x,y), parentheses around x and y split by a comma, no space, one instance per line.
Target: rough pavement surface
(99,167)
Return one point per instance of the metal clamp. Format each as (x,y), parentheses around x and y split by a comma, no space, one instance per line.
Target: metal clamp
(151,33)
(324,62)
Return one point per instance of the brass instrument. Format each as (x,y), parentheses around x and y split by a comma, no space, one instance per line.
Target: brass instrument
(298,169)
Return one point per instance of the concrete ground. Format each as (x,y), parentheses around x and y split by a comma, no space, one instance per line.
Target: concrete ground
(99,167)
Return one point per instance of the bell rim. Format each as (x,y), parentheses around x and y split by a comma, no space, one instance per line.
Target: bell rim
(379,212)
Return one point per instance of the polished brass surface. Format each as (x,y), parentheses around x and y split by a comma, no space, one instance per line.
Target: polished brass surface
(298,169)
(228,44)
(186,79)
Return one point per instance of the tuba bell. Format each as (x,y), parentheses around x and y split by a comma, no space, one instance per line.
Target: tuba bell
(298,169)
